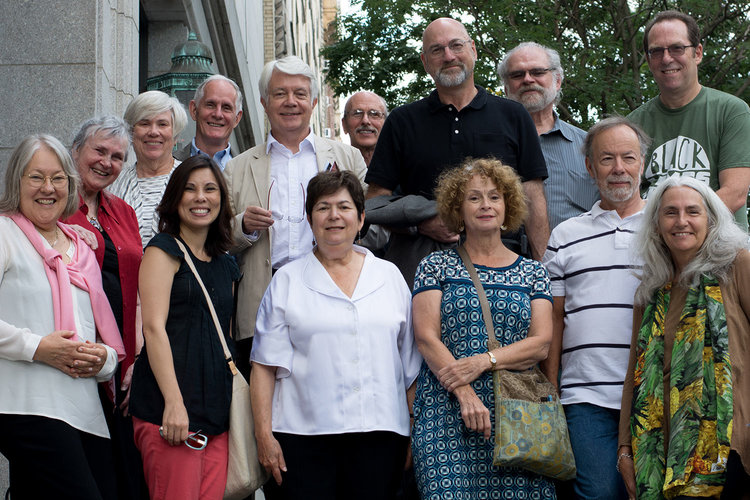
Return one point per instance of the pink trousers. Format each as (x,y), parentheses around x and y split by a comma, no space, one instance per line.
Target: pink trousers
(180,472)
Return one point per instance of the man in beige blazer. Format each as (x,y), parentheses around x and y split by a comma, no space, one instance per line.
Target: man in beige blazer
(267,186)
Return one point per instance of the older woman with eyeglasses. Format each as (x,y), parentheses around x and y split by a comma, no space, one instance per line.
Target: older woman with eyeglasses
(58,336)
(100,147)
(155,120)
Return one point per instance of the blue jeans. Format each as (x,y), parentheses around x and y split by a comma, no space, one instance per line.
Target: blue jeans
(593,436)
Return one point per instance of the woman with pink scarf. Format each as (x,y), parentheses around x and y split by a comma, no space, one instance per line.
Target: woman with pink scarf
(58,336)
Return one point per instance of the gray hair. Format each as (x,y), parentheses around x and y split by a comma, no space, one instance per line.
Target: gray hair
(348,106)
(108,126)
(554,61)
(19,160)
(724,239)
(290,65)
(611,122)
(154,102)
(202,90)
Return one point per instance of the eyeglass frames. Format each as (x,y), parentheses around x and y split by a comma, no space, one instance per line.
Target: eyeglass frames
(195,440)
(657,53)
(373,114)
(38,180)
(456,46)
(276,215)
(534,72)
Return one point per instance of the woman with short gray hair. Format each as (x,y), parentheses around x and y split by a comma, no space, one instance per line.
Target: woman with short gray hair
(155,120)
(99,149)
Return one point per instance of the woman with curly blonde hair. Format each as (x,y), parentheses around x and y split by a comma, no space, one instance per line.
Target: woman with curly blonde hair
(454,405)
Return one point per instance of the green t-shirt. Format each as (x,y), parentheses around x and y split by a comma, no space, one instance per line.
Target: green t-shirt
(707,135)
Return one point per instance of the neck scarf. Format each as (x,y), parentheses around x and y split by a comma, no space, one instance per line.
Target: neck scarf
(83,272)
(699,401)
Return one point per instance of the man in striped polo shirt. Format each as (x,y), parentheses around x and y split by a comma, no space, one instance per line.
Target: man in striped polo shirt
(590,260)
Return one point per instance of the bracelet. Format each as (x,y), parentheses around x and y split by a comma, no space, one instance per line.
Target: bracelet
(622,455)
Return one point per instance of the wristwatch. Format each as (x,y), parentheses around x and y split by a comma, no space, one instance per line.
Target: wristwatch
(493,359)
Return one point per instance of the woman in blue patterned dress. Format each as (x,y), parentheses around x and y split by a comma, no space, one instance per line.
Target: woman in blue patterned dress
(453,434)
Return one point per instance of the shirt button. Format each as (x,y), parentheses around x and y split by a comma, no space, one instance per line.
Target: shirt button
(455,131)
(456,118)
(356,388)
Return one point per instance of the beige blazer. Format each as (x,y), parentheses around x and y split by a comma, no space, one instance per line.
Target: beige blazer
(249,179)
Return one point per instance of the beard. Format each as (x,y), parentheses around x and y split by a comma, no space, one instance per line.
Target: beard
(454,79)
(619,194)
(534,102)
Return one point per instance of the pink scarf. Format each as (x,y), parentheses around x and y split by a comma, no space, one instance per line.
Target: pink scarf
(82,272)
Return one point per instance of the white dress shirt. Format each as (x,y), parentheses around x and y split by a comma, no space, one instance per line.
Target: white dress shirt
(290,173)
(343,364)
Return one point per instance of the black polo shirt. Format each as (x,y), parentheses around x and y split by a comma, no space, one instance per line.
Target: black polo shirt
(421,139)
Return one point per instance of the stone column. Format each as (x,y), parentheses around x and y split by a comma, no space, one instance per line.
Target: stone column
(61,62)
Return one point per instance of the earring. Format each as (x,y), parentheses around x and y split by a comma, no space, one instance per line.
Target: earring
(503,227)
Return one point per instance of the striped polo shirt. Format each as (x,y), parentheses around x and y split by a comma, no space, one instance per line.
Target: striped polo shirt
(591,262)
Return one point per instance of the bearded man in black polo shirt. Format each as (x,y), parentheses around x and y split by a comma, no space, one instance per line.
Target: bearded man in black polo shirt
(457,120)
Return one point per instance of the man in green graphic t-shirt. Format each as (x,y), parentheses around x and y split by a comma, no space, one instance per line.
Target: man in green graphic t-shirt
(696,130)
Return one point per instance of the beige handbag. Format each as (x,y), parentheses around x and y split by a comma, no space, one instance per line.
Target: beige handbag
(244,473)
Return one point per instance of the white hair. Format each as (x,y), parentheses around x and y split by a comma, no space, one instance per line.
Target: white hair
(290,65)
(724,239)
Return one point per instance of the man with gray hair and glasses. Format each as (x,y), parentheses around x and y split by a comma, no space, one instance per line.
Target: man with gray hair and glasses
(267,186)
(216,109)
(697,131)
(532,75)
(457,120)
(364,115)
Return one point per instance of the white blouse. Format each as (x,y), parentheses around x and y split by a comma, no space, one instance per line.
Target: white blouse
(343,364)
(26,315)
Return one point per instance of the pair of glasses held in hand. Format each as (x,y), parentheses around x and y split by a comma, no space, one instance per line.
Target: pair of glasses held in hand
(195,440)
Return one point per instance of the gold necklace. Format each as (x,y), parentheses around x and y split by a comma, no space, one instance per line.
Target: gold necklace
(57,237)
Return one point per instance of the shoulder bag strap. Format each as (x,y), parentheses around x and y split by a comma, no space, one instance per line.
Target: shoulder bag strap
(189,261)
(486,313)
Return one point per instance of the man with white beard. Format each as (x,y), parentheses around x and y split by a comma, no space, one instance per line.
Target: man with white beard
(532,75)
(457,120)
(590,263)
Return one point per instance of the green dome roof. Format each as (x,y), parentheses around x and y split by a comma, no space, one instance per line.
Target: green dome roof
(191,57)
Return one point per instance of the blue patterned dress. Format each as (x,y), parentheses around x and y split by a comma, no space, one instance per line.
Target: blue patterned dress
(451,462)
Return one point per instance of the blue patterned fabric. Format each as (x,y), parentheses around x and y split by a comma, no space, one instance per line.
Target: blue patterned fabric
(451,462)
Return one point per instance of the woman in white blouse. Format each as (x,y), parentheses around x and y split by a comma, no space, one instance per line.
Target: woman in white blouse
(58,336)
(334,361)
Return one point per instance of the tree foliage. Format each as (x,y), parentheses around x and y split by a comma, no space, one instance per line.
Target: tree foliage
(600,44)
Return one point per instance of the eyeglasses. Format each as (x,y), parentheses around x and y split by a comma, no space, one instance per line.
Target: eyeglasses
(455,46)
(373,114)
(38,180)
(276,215)
(674,51)
(534,72)
(196,441)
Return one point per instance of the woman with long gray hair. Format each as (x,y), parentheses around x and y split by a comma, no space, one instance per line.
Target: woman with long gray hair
(686,401)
